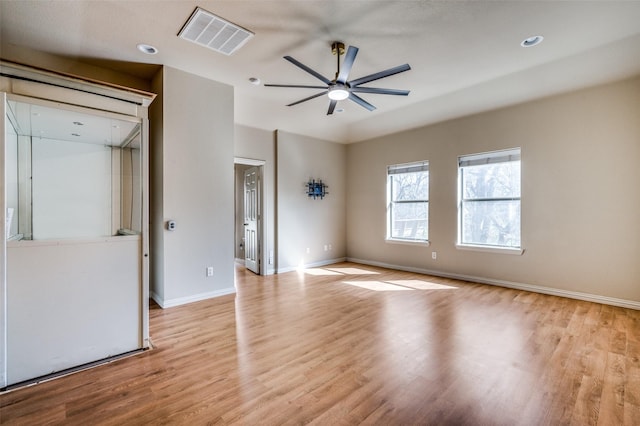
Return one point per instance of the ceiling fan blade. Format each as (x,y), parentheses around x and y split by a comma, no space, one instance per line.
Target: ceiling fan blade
(296,86)
(357,99)
(309,70)
(332,106)
(347,64)
(309,98)
(379,91)
(379,75)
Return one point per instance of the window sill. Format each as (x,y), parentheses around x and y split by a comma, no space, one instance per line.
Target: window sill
(491,249)
(407,242)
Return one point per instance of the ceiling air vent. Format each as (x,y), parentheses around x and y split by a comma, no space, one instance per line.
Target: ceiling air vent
(213,32)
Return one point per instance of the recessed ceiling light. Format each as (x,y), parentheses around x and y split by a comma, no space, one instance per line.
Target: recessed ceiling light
(75,134)
(339,110)
(255,81)
(147,48)
(532,41)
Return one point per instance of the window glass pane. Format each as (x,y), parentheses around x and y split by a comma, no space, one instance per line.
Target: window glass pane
(501,180)
(410,186)
(409,221)
(495,223)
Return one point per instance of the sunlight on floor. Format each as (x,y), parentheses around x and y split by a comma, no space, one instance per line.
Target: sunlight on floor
(353,271)
(399,285)
(377,285)
(339,271)
(320,271)
(389,285)
(421,285)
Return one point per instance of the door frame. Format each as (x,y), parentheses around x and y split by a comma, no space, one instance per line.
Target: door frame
(3,249)
(263,257)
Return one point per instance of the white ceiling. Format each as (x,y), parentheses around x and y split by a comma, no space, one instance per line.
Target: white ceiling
(465,55)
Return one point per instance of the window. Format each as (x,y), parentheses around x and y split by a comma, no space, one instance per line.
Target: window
(489,194)
(408,206)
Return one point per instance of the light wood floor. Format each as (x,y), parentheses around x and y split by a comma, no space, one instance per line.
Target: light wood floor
(353,344)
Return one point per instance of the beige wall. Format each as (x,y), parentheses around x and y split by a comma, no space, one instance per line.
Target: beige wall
(292,221)
(580,192)
(303,222)
(196,167)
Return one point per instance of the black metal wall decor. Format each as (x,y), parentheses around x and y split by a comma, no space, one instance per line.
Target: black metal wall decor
(316,189)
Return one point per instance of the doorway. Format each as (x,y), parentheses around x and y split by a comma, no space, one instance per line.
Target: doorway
(248,227)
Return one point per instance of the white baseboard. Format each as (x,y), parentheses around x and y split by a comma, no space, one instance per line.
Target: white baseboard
(606,300)
(311,265)
(190,299)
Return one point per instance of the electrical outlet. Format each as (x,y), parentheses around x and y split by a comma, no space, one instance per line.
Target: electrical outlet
(209,271)
(434,255)
(308,250)
(270,257)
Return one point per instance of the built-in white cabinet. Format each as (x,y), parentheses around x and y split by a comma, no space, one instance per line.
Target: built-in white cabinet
(74,278)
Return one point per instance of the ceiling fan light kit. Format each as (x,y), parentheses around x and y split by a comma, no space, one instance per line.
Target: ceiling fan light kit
(338,93)
(340,88)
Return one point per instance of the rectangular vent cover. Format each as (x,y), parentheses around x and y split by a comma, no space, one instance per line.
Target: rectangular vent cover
(213,32)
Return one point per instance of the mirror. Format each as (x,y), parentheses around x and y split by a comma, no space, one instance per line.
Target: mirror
(71,173)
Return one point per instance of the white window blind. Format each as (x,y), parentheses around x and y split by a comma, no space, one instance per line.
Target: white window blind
(422,166)
(490,158)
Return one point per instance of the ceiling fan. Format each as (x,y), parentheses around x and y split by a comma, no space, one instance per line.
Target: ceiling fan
(340,87)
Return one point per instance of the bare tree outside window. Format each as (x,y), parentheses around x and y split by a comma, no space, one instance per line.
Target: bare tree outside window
(408,187)
(490,200)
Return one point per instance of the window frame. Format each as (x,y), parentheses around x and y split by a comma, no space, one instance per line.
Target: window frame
(491,157)
(405,168)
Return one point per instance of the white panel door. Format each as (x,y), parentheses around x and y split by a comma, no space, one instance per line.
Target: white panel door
(251,218)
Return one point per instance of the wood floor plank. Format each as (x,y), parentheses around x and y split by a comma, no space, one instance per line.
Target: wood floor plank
(612,401)
(352,344)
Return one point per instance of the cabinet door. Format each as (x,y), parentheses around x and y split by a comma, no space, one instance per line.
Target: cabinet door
(71,303)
